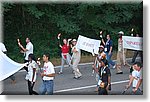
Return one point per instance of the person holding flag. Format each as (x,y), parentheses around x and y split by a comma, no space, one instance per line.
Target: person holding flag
(65,53)
(76,59)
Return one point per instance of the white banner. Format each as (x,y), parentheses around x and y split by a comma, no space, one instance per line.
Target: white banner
(8,67)
(134,43)
(87,44)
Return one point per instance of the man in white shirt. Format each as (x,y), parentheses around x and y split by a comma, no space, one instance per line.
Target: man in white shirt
(28,50)
(48,75)
(4,50)
(135,78)
(76,59)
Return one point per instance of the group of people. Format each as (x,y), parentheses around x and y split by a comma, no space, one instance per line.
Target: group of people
(101,66)
(66,57)
(47,71)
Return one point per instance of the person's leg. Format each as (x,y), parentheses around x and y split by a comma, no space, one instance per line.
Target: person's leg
(138,92)
(62,63)
(134,56)
(49,87)
(107,57)
(26,68)
(68,60)
(33,92)
(141,55)
(110,61)
(118,65)
(30,87)
(43,88)
(75,68)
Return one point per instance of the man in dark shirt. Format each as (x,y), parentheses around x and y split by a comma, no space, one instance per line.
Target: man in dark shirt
(105,78)
(108,50)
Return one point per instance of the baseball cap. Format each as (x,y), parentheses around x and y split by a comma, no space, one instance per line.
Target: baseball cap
(74,40)
(121,32)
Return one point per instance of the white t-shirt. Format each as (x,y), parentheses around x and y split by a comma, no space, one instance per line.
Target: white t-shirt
(2,47)
(48,69)
(32,65)
(137,75)
(29,47)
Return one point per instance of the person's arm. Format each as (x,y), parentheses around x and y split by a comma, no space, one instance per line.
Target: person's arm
(109,82)
(34,70)
(130,82)
(138,85)
(111,47)
(110,50)
(96,69)
(103,42)
(74,50)
(60,45)
(68,42)
(24,49)
(48,75)
(50,71)
(109,78)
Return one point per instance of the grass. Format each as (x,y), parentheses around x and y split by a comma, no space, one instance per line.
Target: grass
(90,58)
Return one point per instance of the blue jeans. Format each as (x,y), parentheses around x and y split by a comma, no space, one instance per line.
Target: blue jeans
(63,60)
(47,86)
(138,92)
(110,62)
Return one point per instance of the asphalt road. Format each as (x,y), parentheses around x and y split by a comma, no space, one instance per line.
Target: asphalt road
(64,84)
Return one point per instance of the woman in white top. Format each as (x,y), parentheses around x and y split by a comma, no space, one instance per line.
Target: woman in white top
(31,76)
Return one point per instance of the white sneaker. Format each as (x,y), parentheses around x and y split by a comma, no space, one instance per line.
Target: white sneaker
(114,66)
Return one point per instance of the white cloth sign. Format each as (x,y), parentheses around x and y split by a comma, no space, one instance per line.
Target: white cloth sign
(134,43)
(87,44)
(8,67)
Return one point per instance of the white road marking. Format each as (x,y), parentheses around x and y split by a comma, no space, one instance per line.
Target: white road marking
(86,87)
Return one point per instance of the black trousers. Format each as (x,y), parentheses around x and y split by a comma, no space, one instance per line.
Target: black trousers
(102,91)
(135,55)
(26,68)
(30,88)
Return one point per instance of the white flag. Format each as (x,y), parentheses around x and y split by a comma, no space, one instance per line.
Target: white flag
(8,67)
(87,44)
(133,43)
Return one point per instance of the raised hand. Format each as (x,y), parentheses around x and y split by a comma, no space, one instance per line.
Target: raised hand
(58,36)
(101,34)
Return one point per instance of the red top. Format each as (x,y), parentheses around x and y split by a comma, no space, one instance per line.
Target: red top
(65,49)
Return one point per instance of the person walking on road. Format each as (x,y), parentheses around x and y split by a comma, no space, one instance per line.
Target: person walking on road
(65,54)
(108,50)
(105,78)
(28,50)
(76,59)
(31,75)
(121,54)
(48,75)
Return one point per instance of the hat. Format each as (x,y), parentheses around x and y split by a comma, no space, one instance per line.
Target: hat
(101,46)
(74,40)
(121,32)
